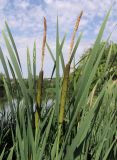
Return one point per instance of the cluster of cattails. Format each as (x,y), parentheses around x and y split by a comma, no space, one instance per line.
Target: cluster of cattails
(65,77)
(40,80)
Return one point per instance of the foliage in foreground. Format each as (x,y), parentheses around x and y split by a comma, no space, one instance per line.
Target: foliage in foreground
(79,126)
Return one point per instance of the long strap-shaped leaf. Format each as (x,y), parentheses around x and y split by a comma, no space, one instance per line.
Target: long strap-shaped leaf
(10,154)
(9,97)
(75,47)
(46,136)
(30,77)
(60,54)
(84,128)
(13,43)
(34,67)
(57,72)
(89,64)
(81,100)
(108,151)
(99,149)
(4,64)
(81,84)
(2,154)
(16,67)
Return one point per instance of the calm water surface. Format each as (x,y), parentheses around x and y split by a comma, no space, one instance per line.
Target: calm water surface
(4,105)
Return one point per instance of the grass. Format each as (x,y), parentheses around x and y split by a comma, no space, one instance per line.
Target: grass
(79,126)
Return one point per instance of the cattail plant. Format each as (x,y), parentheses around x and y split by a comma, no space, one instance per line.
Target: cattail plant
(40,80)
(65,84)
(66,72)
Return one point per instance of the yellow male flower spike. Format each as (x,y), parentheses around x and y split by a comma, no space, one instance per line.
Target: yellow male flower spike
(74,33)
(44,42)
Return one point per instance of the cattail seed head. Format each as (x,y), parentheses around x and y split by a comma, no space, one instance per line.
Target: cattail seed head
(39,98)
(64,93)
(39,89)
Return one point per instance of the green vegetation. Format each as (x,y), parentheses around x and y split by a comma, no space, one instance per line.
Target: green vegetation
(2,91)
(81,125)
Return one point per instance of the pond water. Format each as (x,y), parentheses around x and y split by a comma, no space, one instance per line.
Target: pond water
(4,105)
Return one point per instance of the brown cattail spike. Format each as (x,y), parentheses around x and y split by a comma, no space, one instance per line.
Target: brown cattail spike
(39,90)
(44,42)
(64,93)
(74,33)
(39,99)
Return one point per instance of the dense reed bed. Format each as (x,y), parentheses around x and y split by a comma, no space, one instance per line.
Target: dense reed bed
(81,122)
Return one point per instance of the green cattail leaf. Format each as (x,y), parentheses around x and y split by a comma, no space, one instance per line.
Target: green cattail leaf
(57,71)
(13,43)
(75,47)
(84,128)
(30,77)
(94,54)
(10,154)
(17,69)
(108,151)
(99,149)
(34,67)
(52,56)
(108,58)
(2,154)
(61,55)
(46,136)
(9,97)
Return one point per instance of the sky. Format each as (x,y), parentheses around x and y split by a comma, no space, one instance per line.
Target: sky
(25,19)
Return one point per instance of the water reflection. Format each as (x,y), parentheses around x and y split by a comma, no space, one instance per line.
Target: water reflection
(5,107)
(3,103)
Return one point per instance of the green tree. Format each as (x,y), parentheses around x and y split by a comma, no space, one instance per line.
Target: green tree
(107,67)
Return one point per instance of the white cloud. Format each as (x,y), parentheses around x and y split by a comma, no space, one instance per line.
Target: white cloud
(3,3)
(24,4)
(48,1)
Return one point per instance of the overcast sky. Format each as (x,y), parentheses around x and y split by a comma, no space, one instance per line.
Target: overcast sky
(25,19)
